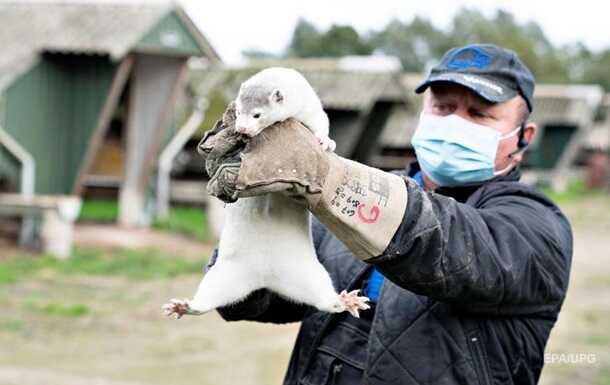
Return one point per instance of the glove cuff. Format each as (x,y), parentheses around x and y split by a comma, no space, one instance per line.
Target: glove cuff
(363,206)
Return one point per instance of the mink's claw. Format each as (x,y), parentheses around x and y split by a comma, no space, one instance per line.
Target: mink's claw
(353,303)
(327,143)
(176,308)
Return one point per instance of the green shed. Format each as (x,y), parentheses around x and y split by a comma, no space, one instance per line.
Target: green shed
(88,89)
(565,115)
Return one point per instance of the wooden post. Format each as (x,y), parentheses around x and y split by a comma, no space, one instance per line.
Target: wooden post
(152,93)
(118,83)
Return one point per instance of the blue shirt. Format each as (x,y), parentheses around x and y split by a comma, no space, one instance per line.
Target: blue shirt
(373,288)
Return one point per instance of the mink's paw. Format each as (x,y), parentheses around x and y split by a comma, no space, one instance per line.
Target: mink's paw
(327,143)
(177,308)
(353,303)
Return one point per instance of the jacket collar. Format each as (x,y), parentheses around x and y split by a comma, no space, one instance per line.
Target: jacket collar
(461,193)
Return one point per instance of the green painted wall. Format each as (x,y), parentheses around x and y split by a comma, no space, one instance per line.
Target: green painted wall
(9,172)
(169,36)
(553,141)
(52,111)
(9,167)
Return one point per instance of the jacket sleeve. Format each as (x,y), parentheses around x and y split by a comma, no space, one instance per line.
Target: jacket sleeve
(510,254)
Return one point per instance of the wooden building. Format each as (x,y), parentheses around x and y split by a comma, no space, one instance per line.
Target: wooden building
(87,90)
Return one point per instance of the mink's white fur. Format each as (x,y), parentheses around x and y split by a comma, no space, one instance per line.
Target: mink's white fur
(276,94)
(266,241)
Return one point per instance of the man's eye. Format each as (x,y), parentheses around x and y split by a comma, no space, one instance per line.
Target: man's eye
(256,116)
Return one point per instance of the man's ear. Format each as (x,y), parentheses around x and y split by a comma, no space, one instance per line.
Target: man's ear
(277,96)
(528,136)
(530,132)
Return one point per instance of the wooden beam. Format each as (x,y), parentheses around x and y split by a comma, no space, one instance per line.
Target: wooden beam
(164,120)
(118,84)
(196,33)
(153,91)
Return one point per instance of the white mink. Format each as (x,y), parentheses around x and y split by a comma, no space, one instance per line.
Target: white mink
(276,94)
(266,241)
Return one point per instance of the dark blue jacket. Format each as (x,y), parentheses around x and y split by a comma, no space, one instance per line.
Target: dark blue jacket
(475,279)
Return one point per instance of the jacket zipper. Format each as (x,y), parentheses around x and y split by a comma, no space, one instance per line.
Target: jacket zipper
(329,318)
(336,370)
(479,358)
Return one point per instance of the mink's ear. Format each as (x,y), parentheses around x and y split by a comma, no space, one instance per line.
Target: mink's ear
(277,96)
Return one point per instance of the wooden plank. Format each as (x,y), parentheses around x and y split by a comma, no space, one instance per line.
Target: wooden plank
(189,192)
(153,91)
(118,84)
(164,120)
(196,33)
(371,132)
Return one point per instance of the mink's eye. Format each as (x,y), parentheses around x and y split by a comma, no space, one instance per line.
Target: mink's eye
(256,116)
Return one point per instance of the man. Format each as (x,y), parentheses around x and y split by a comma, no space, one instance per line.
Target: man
(466,267)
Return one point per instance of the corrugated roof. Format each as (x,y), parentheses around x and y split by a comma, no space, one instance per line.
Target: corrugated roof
(399,128)
(27,29)
(343,84)
(344,89)
(353,90)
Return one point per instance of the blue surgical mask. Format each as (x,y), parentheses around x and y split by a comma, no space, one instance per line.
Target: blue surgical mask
(453,151)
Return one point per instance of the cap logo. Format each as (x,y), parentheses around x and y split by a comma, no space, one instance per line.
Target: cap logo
(469,57)
(483,82)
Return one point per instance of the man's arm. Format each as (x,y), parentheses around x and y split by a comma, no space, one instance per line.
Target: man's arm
(511,255)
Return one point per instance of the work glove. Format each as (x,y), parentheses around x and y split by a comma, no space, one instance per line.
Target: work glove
(361,205)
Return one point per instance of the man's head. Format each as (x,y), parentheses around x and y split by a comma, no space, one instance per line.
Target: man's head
(488,86)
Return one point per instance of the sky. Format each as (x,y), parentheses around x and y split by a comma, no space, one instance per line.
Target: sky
(267,25)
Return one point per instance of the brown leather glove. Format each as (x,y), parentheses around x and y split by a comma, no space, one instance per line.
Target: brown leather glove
(361,205)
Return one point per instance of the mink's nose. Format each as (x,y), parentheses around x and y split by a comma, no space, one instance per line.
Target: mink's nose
(240,129)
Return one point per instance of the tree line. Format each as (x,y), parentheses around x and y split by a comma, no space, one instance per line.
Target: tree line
(419,44)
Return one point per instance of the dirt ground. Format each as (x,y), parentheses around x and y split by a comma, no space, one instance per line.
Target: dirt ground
(125,340)
(92,235)
(582,334)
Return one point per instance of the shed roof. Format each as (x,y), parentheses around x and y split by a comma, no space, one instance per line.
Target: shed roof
(339,87)
(28,29)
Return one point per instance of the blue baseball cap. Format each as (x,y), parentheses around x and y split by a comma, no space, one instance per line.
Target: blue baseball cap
(494,73)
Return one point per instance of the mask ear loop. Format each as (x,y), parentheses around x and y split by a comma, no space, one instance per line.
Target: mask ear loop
(522,144)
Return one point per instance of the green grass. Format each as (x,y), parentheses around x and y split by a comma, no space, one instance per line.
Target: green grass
(137,264)
(13,268)
(599,280)
(604,377)
(55,309)
(99,210)
(12,325)
(190,221)
(576,190)
(598,339)
(63,310)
